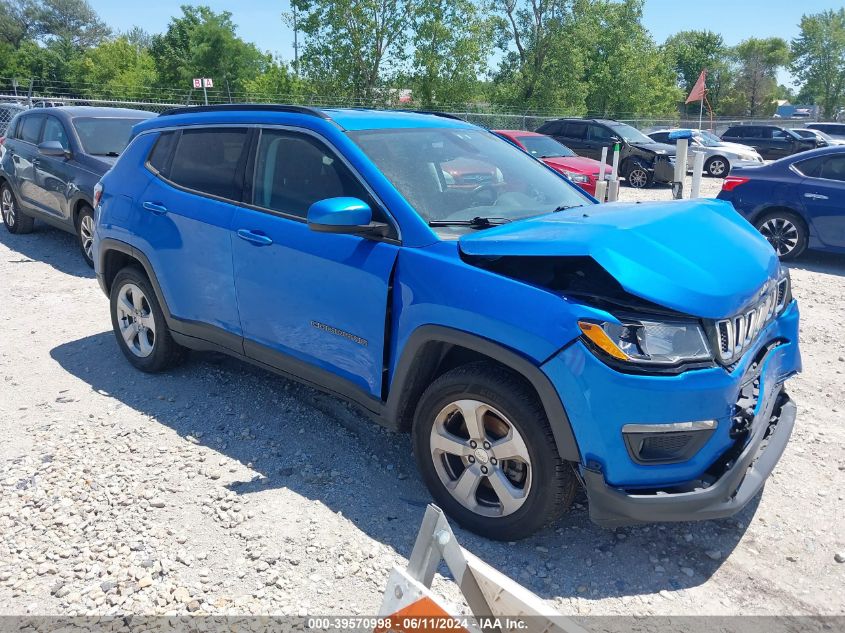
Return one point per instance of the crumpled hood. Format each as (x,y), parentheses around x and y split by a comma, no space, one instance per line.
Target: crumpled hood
(657,148)
(698,257)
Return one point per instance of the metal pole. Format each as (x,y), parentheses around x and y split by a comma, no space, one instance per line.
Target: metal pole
(29,94)
(680,168)
(204,92)
(697,171)
(701,113)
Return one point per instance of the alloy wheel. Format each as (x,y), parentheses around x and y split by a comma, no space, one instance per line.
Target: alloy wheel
(481,458)
(8,207)
(86,235)
(717,167)
(638,178)
(135,320)
(781,234)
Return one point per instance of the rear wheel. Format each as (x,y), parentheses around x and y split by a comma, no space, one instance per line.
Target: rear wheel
(485,450)
(785,231)
(16,221)
(139,325)
(85,233)
(717,166)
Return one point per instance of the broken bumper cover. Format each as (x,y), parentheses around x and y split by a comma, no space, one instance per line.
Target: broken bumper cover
(739,483)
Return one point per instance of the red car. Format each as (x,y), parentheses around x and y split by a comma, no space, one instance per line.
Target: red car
(584,172)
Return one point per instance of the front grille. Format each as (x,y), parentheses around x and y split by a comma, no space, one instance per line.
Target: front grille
(737,334)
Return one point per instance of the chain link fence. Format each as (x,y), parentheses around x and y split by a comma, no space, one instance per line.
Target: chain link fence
(18,94)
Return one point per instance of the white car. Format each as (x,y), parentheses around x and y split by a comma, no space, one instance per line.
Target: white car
(819,135)
(719,156)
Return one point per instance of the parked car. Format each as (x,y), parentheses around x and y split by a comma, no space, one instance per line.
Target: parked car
(719,156)
(796,202)
(583,171)
(519,331)
(835,130)
(51,161)
(823,138)
(771,141)
(642,161)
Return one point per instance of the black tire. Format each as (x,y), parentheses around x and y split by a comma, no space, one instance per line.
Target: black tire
(717,167)
(785,231)
(165,351)
(14,219)
(84,233)
(552,481)
(638,177)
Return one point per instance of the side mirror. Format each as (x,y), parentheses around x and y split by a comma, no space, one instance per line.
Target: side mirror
(344,215)
(53,148)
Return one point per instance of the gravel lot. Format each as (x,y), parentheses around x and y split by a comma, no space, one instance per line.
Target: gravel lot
(217,488)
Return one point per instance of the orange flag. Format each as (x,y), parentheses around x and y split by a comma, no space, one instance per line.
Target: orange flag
(698,90)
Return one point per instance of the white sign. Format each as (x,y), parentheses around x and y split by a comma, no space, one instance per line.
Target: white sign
(207,83)
(197,83)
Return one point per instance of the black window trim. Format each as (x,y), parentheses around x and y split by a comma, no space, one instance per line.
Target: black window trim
(248,166)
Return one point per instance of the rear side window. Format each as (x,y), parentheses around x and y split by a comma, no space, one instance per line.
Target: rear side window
(160,156)
(55,131)
(293,171)
(30,129)
(809,167)
(576,130)
(208,161)
(551,127)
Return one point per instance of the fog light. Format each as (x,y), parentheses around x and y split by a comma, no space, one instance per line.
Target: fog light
(666,443)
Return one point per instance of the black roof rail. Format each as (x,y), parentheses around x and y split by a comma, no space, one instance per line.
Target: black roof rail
(445,115)
(253,107)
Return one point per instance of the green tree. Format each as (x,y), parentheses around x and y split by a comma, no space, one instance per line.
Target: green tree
(71,20)
(626,73)
(452,40)
(116,69)
(540,69)
(818,58)
(275,84)
(353,48)
(202,43)
(690,52)
(758,61)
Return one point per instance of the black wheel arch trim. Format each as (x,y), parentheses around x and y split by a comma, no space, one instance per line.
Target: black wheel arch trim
(404,375)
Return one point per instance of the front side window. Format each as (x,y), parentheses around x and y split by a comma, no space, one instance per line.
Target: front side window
(293,171)
(544,147)
(465,174)
(105,136)
(30,129)
(207,161)
(55,131)
(601,134)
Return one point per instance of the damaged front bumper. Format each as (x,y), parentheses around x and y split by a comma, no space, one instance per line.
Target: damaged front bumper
(741,481)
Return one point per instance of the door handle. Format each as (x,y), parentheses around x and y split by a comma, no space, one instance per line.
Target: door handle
(155,207)
(253,237)
(815,196)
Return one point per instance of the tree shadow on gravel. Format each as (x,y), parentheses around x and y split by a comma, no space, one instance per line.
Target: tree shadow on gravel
(318,447)
(47,244)
(819,262)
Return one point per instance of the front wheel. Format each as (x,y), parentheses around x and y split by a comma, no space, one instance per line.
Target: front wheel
(638,177)
(785,231)
(485,450)
(139,325)
(717,167)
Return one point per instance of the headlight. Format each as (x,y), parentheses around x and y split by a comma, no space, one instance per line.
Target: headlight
(575,177)
(647,341)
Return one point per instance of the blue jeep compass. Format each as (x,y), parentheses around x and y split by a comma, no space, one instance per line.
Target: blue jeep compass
(454,286)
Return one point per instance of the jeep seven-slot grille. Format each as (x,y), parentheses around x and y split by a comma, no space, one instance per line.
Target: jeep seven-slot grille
(737,334)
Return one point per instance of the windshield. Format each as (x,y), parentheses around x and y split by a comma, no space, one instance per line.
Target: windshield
(544,146)
(706,141)
(710,137)
(630,134)
(465,174)
(104,137)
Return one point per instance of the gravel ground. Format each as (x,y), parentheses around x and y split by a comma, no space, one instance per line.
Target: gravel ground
(217,488)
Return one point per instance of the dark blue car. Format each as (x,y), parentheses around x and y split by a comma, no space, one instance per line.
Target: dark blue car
(527,337)
(797,202)
(50,160)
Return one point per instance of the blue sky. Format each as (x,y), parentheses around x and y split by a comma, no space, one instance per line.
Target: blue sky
(260,20)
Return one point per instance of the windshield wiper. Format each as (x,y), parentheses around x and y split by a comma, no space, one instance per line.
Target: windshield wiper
(477,222)
(566,207)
